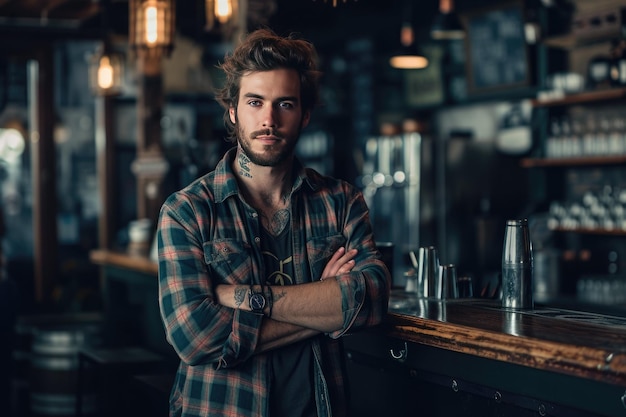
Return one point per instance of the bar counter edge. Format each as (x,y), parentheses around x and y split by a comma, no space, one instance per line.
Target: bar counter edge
(601,363)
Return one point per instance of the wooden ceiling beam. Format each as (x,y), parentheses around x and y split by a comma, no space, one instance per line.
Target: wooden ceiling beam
(49,9)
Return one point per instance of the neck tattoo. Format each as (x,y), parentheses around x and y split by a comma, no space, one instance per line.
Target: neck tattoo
(244,168)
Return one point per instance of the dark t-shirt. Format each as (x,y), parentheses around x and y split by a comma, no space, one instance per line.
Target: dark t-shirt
(291,393)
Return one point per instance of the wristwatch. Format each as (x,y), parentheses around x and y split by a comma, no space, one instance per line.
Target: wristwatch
(257,301)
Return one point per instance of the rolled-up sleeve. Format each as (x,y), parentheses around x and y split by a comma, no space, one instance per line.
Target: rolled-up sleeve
(200,330)
(365,290)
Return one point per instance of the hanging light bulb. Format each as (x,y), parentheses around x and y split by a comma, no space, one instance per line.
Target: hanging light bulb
(152,24)
(222,13)
(223,10)
(106,72)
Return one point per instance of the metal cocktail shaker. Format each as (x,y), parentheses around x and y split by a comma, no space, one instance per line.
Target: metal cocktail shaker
(517,266)
(428,272)
(449,288)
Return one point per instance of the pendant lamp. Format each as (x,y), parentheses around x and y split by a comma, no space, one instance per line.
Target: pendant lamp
(447,24)
(152,25)
(105,68)
(408,56)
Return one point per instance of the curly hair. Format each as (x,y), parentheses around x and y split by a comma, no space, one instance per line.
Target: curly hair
(264,50)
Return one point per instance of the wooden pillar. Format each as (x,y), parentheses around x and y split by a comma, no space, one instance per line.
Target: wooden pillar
(105,154)
(150,166)
(43,166)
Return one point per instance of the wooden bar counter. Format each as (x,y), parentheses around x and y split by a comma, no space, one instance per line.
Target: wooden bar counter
(138,263)
(576,343)
(545,361)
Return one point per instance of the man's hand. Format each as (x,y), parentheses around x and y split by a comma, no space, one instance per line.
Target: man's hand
(341,262)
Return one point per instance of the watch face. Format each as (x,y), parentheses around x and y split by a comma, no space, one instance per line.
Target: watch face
(257,302)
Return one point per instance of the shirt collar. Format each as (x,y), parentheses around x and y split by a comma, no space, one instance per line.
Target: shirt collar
(226,182)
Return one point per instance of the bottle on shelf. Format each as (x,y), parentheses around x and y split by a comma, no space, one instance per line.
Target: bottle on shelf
(617,71)
(616,135)
(589,139)
(553,144)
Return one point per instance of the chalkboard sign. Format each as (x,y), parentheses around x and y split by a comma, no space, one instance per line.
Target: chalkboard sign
(497,56)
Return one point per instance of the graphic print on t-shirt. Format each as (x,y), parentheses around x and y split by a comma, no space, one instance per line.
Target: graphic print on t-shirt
(282,269)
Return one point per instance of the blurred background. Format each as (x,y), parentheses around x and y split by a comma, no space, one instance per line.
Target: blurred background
(509,110)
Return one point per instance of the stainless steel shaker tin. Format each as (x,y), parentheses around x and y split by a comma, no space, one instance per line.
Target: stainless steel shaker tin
(428,272)
(517,266)
(449,288)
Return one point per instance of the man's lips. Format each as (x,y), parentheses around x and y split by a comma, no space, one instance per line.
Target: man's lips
(266,135)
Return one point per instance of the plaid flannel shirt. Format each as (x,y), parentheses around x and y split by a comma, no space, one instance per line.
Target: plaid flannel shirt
(207,235)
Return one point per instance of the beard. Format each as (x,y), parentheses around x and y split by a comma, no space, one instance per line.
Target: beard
(272,155)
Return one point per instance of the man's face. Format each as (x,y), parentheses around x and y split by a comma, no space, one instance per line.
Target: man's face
(269,115)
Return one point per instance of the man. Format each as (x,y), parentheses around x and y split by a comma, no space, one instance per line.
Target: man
(264,264)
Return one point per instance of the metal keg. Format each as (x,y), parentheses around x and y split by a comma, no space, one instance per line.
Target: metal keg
(54,370)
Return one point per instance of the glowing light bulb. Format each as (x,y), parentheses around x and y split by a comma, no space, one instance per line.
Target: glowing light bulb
(105,73)
(223,10)
(152,24)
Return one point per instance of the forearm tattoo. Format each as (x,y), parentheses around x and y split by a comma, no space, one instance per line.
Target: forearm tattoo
(277,295)
(240,295)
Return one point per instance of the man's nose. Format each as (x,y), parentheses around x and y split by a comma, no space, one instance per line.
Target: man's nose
(269,116)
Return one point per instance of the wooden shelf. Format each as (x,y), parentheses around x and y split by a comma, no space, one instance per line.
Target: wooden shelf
(582,98)
(579,161)
(573,41)
(594,231)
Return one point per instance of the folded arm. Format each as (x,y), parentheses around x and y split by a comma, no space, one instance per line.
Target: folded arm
(298,311)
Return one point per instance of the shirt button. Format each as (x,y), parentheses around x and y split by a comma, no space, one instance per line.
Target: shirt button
(257,239)
(255,215)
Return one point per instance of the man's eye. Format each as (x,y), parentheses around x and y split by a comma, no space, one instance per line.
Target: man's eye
(286,105)
(254,102)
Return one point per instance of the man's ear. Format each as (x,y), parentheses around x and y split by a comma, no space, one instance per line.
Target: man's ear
(306,118)
(231,113)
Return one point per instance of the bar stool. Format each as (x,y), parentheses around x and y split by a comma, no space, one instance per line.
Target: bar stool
(110,376)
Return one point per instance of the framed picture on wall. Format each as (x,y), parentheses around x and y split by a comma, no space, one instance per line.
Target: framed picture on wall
(424,87)
(497,57)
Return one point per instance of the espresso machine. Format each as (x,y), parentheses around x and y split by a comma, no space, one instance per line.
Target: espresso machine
(391,182)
